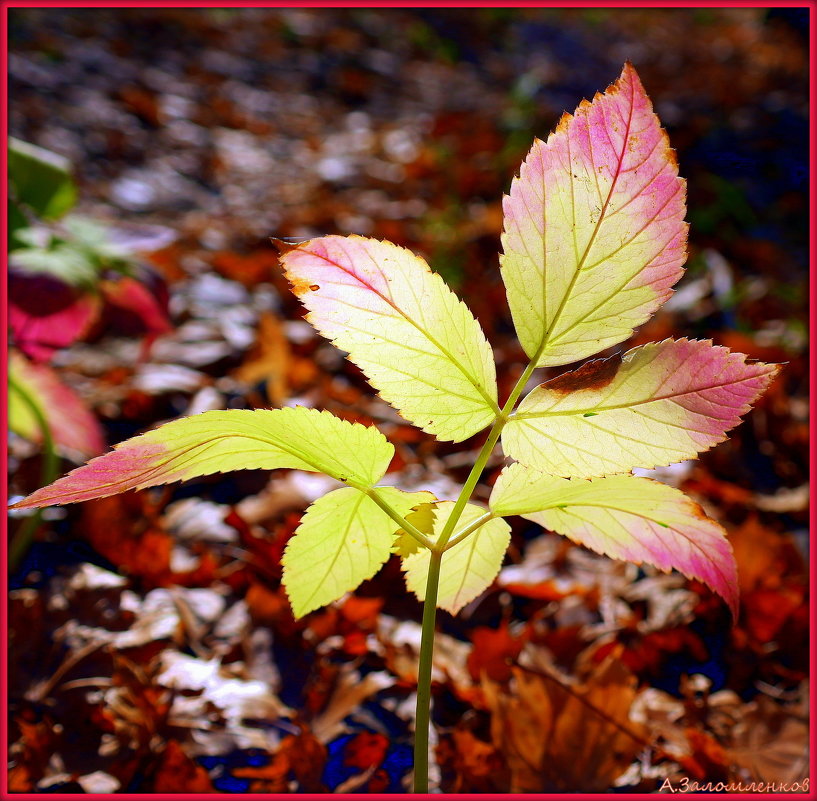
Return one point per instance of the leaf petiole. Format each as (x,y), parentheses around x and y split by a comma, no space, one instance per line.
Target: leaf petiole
(411,530)
(469,529)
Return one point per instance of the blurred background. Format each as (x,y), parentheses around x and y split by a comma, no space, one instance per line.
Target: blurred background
(152,646)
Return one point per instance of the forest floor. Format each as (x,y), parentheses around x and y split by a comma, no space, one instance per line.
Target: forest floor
(152,646)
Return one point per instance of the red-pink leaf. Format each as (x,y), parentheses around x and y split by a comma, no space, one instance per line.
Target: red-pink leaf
(46,314)
(135,308)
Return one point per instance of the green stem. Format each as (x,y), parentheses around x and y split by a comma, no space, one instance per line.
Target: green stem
(422,720)
(520,385)
(423,714)
(394,515)
(22,539)
(484,455)
(470,529)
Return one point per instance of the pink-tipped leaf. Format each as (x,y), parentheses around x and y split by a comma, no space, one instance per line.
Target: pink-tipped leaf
(221,441)
(417,343)
(625,517)
(662,403)
(594,235)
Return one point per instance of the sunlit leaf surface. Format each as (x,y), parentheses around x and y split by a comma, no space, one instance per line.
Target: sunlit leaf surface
(342,540)
(418,344)
(663,403)
(626,517)
(594,227)
(220,441)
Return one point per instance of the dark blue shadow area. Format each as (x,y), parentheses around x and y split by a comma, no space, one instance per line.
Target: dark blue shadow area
(398,760)
(47,558)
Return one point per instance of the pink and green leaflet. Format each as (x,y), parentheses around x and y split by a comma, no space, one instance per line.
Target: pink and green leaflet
(220,441)
(625,517)
(594,233)
(417,343)
(344,538)
(664,402)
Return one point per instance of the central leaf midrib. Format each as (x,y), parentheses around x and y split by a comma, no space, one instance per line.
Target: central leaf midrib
(292,451)
(552,325)
(627,405)
(341,543)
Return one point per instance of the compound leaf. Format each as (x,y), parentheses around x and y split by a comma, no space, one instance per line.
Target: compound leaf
(220,441)
(469,567)
(625,517)
(342,540)
(594,235)
(664,402)
(417,343)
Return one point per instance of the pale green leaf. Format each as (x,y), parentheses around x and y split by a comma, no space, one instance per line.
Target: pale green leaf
(417,343)
(343,539)
(626,517)
(469,567)
(220,441)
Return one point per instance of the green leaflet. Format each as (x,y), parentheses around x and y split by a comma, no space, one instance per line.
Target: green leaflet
(40,179)
(469,567)
(220,441)
(343,539)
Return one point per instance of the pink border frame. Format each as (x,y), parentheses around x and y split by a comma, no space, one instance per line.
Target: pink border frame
(5,5)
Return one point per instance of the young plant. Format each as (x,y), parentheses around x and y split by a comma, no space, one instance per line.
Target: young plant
(594,239)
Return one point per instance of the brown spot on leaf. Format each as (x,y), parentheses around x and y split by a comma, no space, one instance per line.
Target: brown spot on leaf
(590,376)
(300,286)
